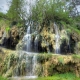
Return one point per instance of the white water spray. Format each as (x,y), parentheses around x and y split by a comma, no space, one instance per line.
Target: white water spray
(36,44)
(31,59)
(27,40)
(57,39)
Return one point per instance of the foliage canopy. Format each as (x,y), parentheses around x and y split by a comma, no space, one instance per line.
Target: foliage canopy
(50,10)
(16,11)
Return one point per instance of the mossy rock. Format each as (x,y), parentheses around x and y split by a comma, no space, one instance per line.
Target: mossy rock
(8,73)
(77,48)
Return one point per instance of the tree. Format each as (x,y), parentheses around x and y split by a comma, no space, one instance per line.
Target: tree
(16,11)
(73,7)
(50,10)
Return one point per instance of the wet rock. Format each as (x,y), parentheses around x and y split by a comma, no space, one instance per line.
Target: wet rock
(77,48)
(8,73)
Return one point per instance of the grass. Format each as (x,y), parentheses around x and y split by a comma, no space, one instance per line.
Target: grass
(66,76)
(2,78)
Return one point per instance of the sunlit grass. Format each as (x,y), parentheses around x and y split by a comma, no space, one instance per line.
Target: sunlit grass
(66,76)
(2,78)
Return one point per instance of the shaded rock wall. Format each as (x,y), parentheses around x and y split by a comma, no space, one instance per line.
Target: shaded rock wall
(46,39)
(10,38)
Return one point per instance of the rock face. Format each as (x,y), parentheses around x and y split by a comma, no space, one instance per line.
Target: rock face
(65,42)
(13,37)
(77,48)
(10,38)
(3,35)
(43,38)
(13,64)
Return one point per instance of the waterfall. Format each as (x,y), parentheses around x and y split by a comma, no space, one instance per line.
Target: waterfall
(28,30)
(28,58)
(27,40)
(57,39)
(69,47)
(34,62)
(26,67)
(36,44)
(31,62)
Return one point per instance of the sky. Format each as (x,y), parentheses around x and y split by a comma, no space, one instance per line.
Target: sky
(4,5)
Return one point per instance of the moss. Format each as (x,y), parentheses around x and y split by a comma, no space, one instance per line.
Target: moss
(7,28)
(61,60)
(77,48)
(49,69)
(8,73)
(41,58)
(39,70)
(75,30)
(76,58)
(47,64)
(9,62)
(69,31)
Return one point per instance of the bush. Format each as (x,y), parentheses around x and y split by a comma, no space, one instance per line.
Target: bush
(45,11)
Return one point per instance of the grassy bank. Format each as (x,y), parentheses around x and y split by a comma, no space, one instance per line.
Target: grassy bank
(66,76)
(2,78)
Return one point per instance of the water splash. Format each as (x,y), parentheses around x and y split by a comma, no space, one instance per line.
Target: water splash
(31,61)
(29,57)
(26,65)
(57,39)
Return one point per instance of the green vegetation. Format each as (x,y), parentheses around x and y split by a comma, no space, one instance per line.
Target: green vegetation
(7,28)
(61,60)
(2,15)
(41,58)
(65,76)
(45,11)
(2,78)
(76,56)
(9,62)
(16,11)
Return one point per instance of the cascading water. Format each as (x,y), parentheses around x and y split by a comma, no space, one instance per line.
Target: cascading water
(31,62)
(36,44)
(27,40)
(26,67)
(69,47)
(27,59)
(57,39)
